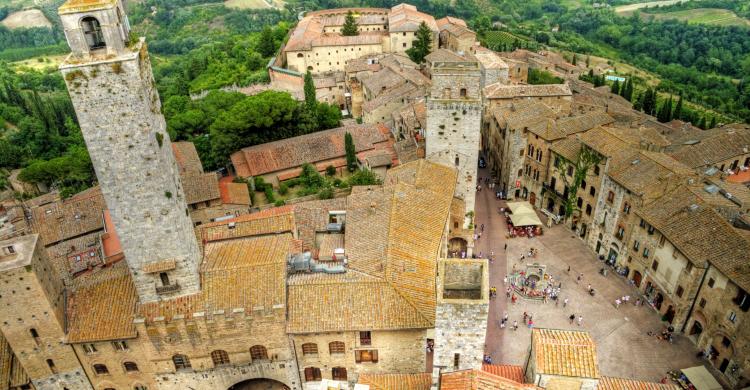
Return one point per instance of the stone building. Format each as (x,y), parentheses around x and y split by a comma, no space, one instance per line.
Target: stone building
(34,334)
(562,359)
(454,112)
(316,43)
(106,74)
(455,35)
(282,160)
(556,96)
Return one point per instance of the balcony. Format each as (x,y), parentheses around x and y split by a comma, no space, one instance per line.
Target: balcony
(170,288)
(551,190)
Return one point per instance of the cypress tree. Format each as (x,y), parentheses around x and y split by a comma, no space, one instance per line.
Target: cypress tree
(422,46)
(351,157)
(678,109)
(615,87)
(350,25)
(638,105)
(310,102)
(575,58)
(712,124)
(588,61)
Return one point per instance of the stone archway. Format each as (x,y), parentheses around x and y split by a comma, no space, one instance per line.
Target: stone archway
(457,246)
(259,384)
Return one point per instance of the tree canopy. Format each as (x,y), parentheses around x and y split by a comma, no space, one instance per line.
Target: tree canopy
(422,45)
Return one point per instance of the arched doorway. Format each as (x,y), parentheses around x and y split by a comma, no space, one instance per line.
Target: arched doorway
(658,301)
(696,329)
(259,384)
(457,247)
(550,205)
(669,315)
(637,277)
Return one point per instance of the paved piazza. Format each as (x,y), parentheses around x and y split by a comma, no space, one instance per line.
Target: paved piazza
(624,348)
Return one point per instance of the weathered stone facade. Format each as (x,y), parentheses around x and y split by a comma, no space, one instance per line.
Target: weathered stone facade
(454,113)
(132,155)
(461,315)
(35,333)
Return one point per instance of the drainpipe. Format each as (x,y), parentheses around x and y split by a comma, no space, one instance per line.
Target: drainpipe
(692,305)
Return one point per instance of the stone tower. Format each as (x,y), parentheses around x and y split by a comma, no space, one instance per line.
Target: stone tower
(110,82)
(460,316)
(32,314)
(454,113)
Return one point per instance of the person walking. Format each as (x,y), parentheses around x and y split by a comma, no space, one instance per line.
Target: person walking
(572,318)
(588,288)
(580,320)
(515,324)
(505,279)
(565,302)
(617,303)
(505,316)
(578,279)
(505,248)
(525,317)
(513,299)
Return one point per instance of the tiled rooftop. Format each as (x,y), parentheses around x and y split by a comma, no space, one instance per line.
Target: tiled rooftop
(564,352)
(104,308)
(504,91)
(479,380)
(420,381)
(270,221)
(200,188)
(514,373)
(723,145)
(611,383)
(187,158)
(233,193)
(63,219)
(293,152)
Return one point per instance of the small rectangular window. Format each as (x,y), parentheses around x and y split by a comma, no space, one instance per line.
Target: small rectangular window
(365,338)
(456,360)
(655,265)
(702,303)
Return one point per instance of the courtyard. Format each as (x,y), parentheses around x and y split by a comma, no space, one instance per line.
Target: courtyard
(624,346)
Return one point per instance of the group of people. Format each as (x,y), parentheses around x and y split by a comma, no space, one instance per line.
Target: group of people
(490,184)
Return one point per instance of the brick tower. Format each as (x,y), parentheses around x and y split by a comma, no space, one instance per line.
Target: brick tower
(454,113)
(110,82)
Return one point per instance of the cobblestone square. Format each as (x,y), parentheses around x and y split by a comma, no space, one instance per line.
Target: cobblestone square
(624,348)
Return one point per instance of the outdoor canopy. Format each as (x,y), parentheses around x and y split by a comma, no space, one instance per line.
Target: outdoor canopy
(701,378)
(523,214)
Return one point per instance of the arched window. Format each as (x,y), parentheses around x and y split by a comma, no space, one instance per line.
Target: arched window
(258,352)
(101,369)
(309,349)
(220,357)
(338,373)
(140,387)
(181,362)
(312,374)
(462,93)
(300,55)
(130,367)
(336,347)
(92,32)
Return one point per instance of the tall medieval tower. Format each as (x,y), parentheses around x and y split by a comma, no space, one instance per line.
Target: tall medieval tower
(109,79)
(454,113)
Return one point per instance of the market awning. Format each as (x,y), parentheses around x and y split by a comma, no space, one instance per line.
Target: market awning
(523,214)
(701,378)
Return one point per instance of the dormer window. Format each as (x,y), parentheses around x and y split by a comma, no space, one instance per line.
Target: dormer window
(92,31)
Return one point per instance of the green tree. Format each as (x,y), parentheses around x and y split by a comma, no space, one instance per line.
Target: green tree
(328,116)
(702,122)
(266,44)
(350,25)
(665,111)
(575,59)
(363,177)
(422,46)
(649,101)
(638,105)
(712,123)
(310,99)
(678,109)
(351,156)
(627,90)
(615,89)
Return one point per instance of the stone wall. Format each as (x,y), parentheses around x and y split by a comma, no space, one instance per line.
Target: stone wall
(400,351)
(28,309)
(119,111)
(114,359)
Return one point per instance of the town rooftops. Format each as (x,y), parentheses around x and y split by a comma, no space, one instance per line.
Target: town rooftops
(310,148)
(233,193)
(445,55)
(564,352)
(103,307)
(580,123)
(187,158)
(649,174)
(421,381)
(200,188)
(405,17)
(309,31)
(700,233)
(489,59)
(567,148)
(612,383)
(503,91)
(63,219)
(726,144)
(76,6)
(479,380)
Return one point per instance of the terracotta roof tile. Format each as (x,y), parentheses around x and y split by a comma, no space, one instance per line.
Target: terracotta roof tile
(103,308)
(200,188)
(581,123)
(611,383)
(504,91)
(63,219)
(187,158)
(725,145)
(310,148)
(567,148)
(233,193)
(421,381)
(479,380)
(405,17)
(700,233)
(564,352)
(514,373)
(270,221)
(246,273)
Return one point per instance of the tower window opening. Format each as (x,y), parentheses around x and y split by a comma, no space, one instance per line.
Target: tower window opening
(164,279)
(92,31)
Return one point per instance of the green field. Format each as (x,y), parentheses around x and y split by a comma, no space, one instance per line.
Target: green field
(714,16)
(494,39)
